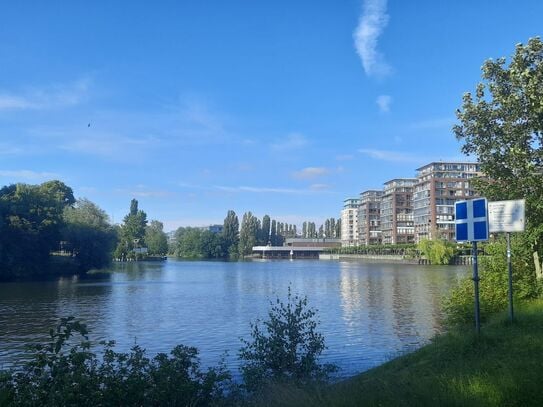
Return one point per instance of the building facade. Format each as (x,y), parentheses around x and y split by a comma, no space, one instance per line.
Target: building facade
(397,211)
(439,186)
(349,222)
(369,217)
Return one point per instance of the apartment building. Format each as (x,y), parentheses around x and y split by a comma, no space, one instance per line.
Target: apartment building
(349,222)
(369,217)
(397,211)
(439,186)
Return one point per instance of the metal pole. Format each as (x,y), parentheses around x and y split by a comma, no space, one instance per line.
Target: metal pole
(476,288)
(510,270)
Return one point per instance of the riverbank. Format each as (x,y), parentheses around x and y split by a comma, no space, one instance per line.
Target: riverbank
(502,367)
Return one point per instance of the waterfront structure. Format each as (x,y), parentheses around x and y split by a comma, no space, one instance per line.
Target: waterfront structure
(349,222)
(439,186)
(397,211)
(369,218)
(312,242)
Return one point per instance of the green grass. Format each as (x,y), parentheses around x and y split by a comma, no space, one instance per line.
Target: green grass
(501,367)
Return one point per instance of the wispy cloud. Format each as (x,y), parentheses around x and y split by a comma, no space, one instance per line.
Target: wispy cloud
(372,22)
(384,102)
(310,172)
(392,156)
(49,97)
(319,187)
(291,142)
(27,175)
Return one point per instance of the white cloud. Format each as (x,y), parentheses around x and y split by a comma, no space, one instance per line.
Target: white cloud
(319,187)
(310,172)
(372,22)
(28,175)
(392,156)
(291,142)
(50,97)
(384,102)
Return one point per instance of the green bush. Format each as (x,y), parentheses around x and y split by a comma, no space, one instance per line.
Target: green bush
(437,251)
(285,348)
(59,377)
(493,284)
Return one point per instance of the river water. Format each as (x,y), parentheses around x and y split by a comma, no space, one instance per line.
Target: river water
(369,312)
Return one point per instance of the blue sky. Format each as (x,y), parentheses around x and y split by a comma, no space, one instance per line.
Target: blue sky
(278,107)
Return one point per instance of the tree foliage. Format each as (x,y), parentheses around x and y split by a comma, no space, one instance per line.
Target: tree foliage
(502,125)
(493,284)
(155,238)
(231,233)
(31,219)
(437,251)
(88,235)
(132,234)
(285,347)
(195,243)
(59,375)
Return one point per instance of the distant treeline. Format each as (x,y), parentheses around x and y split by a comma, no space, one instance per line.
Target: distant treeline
(237,240)
(45,231)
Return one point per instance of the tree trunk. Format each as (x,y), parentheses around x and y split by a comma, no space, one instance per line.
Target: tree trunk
(538,266)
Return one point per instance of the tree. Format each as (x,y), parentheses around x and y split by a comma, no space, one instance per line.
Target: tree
(285,347)
(132,232)
(503,127)
(248,235)
(437,251)
(88,234)
(155,238)
(31,221)
(231,233)
(266,225)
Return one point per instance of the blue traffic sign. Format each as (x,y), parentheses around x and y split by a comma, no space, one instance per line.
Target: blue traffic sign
(471,220)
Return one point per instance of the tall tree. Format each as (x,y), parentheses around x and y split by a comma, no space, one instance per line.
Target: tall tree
(266,226)
(248,235)
(304,230)
(503,127)
(132,232)
(230,233)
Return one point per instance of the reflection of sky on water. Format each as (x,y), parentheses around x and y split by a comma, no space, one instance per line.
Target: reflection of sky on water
(368,311)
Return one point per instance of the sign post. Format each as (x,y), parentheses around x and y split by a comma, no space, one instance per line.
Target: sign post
(507,216)
(471,225)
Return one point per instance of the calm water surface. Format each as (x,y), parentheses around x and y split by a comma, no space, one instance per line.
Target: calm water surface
(369,312)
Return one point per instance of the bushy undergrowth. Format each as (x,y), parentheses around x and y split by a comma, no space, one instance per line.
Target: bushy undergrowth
(437,251)
(493,284)
(67,371)
(285,347)
(57,376)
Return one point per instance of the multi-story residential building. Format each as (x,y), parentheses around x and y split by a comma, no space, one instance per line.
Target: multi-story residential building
(397,211)
(349,222)
(369,222)
(439,186)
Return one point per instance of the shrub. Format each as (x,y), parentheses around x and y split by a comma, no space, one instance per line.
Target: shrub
(57,377)
(493,284)
(285,347)
(437,251)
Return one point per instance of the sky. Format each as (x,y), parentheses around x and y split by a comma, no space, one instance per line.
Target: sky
(277,107)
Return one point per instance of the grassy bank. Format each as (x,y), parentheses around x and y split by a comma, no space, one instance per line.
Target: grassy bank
(502,367)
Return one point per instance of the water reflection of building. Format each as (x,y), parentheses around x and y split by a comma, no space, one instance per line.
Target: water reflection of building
(400,305)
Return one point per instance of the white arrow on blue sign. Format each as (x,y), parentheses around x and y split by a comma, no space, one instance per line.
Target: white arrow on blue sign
(471,220)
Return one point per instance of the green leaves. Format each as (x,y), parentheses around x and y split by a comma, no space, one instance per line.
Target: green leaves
(285,347)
